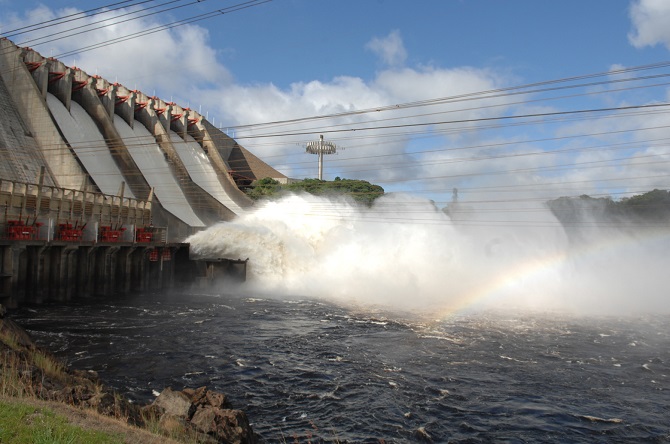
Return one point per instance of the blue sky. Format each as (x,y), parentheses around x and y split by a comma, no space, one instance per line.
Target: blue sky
(291,59)
(324,39)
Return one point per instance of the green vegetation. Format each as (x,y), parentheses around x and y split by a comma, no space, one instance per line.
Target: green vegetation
(650,207)
(653,205)
(23,423)
(42,402)
(263,188)
(359,190)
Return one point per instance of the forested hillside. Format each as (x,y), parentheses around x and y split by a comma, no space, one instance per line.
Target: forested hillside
(359,190)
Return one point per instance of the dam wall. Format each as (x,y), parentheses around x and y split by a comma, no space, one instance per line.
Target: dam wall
(34,272)
(100,184)
(91,135)
(58,245)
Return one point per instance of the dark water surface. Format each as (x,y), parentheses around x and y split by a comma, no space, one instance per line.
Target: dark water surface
(306,371)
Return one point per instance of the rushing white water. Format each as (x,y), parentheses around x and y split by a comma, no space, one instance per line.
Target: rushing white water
(201,170)
(405,253)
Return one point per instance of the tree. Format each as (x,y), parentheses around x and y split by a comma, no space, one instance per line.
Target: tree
(650,207)
(359,190)
(263,188)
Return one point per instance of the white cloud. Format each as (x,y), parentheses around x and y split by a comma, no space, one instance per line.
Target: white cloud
(164,62)
(376,155)
(650,21)
(389,49)
(181,64)
(182,61)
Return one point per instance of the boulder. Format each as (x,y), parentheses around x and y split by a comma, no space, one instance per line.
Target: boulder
(227,425)
(204,412)
(201,397)
(197,396)
(218,400)
(175,403)
(201,413)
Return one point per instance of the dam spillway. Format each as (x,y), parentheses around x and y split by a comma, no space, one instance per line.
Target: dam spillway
(97,179)
(83,137)
(92,135)
(201,170)
(154,167)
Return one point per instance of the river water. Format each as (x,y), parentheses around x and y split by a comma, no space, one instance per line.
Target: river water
(311,371)
(472,325)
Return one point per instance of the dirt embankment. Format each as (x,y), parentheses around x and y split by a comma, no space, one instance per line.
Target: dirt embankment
(34,375)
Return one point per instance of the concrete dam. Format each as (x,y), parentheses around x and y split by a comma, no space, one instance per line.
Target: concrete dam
(100,184)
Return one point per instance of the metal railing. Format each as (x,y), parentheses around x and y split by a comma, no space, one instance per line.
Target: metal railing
(42,212)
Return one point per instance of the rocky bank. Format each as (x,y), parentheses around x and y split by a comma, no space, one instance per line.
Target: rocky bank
(200,415)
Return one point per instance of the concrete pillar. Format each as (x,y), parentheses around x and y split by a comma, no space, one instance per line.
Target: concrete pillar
(106,94)
(80,80)
(154,274)
(60,81)
(37,65)
(53,273)
(72,271)
(112,266)
(133,261)
(177,119)
(64,272)
(184,270)
(124,269)
(167,266)
(105,270)
(37,274)
(14,267)
(102,112)
(125,104)
(86,277)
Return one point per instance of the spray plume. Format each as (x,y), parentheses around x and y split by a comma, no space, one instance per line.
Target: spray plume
(403,253)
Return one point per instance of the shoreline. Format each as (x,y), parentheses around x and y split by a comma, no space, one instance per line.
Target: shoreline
(31,373)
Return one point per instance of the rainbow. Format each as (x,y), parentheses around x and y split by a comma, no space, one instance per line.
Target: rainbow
(511,280)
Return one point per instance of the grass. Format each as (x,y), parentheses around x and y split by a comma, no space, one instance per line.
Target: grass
(169,427)
(26,417)
(50,366)
(24,423)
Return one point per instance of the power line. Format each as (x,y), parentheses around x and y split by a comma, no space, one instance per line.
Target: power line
(69,32)
(500,105)
(477,95)
(70,17)
(171,25)
(447,122)
(77,16)
(480,95)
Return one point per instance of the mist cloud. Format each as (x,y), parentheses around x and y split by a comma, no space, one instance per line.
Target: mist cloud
(405,254)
